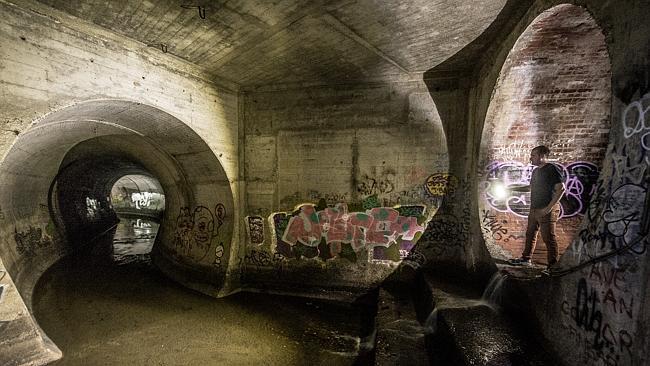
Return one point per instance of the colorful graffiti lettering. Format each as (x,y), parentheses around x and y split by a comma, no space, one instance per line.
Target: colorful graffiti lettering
(440,184)
(507,184)
(334,226)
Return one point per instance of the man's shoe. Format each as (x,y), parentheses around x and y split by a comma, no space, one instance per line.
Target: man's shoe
(521,262)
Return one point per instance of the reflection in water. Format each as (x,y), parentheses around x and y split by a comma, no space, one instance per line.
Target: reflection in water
(133,239)
(128,313)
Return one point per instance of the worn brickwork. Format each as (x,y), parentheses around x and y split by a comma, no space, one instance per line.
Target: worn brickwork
(554,90)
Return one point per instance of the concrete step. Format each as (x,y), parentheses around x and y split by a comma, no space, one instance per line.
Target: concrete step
(463,329)
(400,336)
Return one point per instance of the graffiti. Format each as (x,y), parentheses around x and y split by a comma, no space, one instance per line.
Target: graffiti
(27,242)
(92,206)
(440,184)
(448,231)
(141,199)
(618,224)
(335,226)
(218,254)
(492,226)
(414,258)
(507,187)
(2,214)
(635,122)
(633,171)
(195,230)
(330,198)
(608,342)
(141,224)
(255,229)
(369,186)
(260,259)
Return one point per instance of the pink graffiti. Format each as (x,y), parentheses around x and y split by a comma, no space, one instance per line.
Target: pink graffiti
(379,226)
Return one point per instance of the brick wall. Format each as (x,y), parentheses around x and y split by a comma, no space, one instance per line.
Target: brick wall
(554,90)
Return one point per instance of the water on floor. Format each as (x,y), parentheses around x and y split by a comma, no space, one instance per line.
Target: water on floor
(128,313)
(133,240)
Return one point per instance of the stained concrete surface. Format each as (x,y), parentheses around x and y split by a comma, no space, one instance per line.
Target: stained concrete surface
(126,312)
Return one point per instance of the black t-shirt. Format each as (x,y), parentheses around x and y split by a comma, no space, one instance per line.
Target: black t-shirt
(541,185)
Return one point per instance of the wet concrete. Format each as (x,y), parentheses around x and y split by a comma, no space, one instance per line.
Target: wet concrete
(128,313)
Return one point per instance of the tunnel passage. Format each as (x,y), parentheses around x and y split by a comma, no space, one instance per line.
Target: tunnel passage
(97,142)
(96,196)
(139,202)
(139,195)
(553,90)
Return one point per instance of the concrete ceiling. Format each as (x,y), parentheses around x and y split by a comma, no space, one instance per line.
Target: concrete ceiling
(262,42)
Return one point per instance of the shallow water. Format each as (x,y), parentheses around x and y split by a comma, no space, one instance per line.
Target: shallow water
(128,313)
(133,239)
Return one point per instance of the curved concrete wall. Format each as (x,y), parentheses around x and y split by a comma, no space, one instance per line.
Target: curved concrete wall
(86,147)
(81,83)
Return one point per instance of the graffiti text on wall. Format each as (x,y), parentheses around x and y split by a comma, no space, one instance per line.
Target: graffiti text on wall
(637,121)
(448,231)
(255,229)
(196,229)
(507,182)
(92,207)
(606,340)
(27,242)
(440,184)
(141,199)
(331,227)
(497,229)
(371,185)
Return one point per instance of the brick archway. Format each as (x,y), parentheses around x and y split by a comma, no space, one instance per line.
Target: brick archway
(555,90)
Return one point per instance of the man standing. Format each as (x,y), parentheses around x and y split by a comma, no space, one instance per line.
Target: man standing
(546,189)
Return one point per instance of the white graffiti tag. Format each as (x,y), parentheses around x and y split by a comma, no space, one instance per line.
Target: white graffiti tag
(636,120)
(141,199)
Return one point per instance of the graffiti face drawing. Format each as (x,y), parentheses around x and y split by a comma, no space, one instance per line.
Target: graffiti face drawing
(203,227)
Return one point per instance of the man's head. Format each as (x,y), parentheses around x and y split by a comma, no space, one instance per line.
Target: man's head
(539,155)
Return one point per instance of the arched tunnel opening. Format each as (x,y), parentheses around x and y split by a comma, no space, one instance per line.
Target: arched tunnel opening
(139,202)
(553,90)
(109,206)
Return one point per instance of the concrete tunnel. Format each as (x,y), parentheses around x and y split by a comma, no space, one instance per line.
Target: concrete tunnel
(332,183)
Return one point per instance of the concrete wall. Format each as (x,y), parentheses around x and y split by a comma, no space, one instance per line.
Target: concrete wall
(598,314)
(166,113)
(352,148)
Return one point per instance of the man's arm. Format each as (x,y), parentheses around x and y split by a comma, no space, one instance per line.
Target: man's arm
(558,191)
